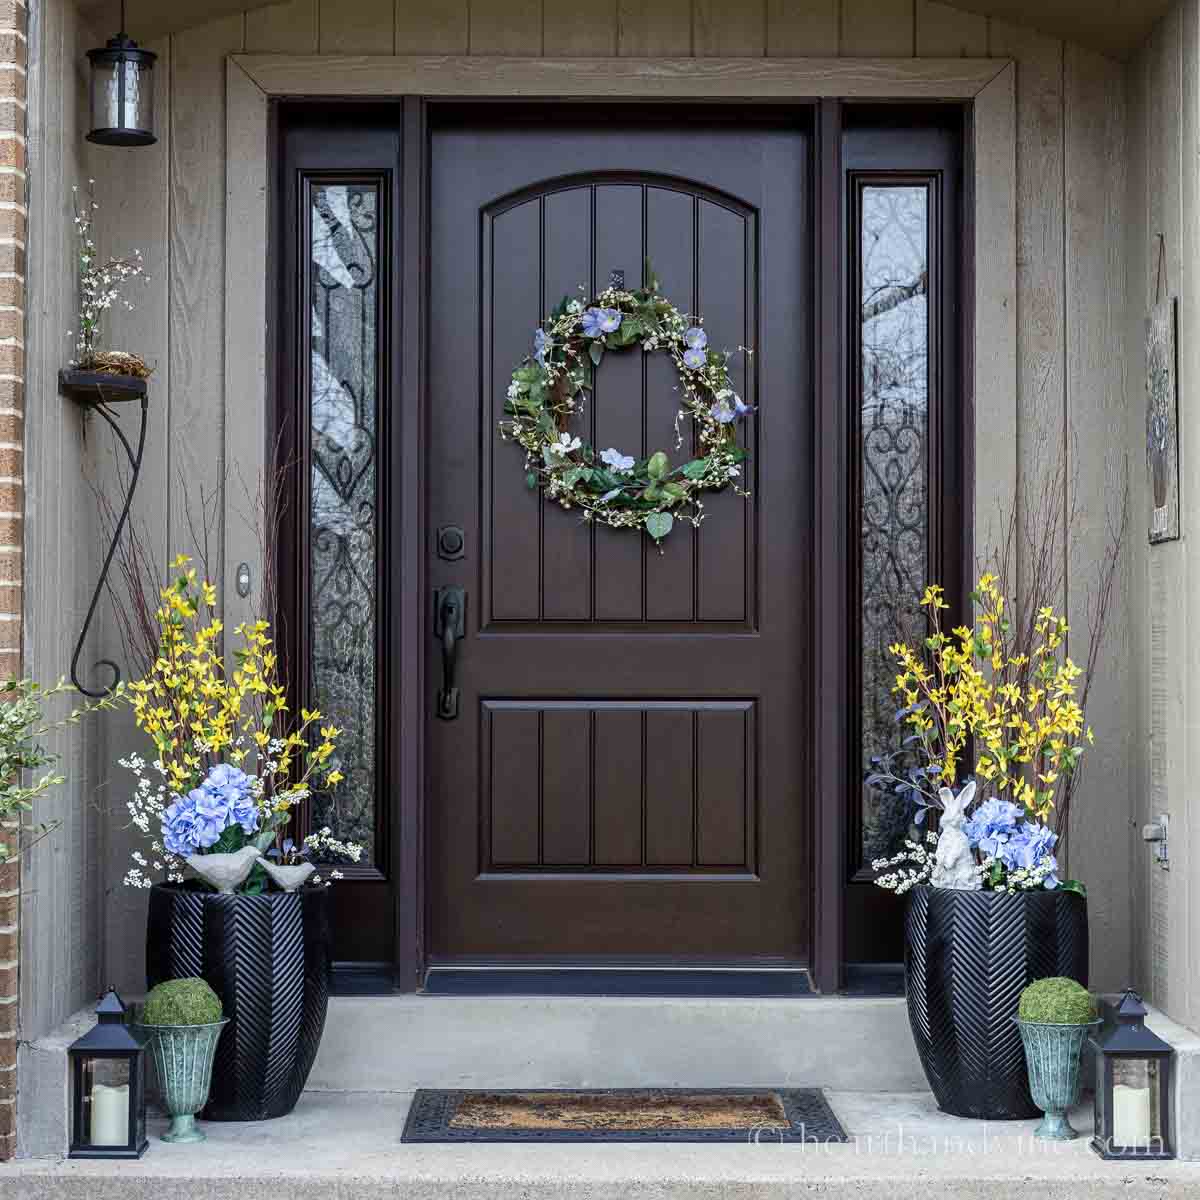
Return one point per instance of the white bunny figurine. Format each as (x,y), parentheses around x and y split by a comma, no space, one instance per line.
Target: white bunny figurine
(954,864)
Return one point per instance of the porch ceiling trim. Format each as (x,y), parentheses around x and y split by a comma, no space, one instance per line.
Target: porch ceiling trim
(605,78)
(253,81)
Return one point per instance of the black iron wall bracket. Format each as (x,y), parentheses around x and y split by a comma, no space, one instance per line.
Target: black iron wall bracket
(98,392)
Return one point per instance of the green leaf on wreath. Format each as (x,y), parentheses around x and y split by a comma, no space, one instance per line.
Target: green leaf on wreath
(675,489)
(696,468)
(595,353)
(657,465)
(531,480)
(658,525)
(527,374)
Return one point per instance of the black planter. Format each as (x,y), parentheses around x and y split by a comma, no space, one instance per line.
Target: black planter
(967,957)
(267,957)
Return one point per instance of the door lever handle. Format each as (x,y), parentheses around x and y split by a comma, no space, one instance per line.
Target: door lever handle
(449,625)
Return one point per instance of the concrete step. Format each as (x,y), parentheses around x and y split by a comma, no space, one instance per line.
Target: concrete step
(347,1147)
(398,1043)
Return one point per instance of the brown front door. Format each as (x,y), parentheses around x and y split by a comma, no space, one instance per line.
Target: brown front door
(629,771)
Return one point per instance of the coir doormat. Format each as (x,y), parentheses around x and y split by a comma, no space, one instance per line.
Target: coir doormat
(624,1115)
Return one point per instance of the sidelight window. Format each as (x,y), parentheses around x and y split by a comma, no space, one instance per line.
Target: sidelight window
(893,453)
(344,307)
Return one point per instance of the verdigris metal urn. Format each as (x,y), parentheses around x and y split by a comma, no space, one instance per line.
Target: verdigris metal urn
(183,1060)
(1052,1054)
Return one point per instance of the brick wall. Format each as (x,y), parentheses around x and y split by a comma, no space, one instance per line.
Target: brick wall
(13,216)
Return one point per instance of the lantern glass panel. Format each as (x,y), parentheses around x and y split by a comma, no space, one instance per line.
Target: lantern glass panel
(123,96)
(1136,1116)
(105,1088)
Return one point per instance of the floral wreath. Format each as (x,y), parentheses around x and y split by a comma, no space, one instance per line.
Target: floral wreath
(549,388)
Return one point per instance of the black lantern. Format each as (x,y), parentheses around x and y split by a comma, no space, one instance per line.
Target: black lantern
(122,92)
(108,1082)
(1133,1075)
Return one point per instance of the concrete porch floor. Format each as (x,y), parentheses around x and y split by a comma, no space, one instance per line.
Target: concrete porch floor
(344,1145)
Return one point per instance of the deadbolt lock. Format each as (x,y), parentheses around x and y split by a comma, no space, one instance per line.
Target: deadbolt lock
(451,542)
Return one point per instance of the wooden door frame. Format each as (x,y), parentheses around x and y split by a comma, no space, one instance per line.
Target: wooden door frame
(253,82)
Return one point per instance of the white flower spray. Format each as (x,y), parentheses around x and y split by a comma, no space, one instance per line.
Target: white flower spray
(100,282)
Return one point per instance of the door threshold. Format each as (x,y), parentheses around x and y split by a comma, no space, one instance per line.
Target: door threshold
(484,979)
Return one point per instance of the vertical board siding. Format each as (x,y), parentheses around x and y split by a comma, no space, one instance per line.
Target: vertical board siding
(1060,263)
(364,27)
(1095,293)
(724,30)
(435,27)
(1041,285)
(650,28)
(506,27)
(580,31)
(134,195)
(1136,260)
(877,29)
(61,913)
(1169,625)
(802,28)
(1185,929)
(944,32)
(1163,198)
(289,28)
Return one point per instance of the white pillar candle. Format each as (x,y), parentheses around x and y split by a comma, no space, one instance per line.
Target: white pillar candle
(1131,1115)
(110,1115)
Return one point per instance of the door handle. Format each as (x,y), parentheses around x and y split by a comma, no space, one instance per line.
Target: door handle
(450,626)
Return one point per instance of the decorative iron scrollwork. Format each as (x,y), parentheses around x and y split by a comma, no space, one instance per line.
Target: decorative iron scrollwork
(97,392)
(343,473)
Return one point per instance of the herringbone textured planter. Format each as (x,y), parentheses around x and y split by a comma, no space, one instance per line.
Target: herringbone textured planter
(968,955)
(267,958)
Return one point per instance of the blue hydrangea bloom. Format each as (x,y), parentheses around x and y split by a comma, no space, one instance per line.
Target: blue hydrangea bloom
(179,826)
(694,358)
(695,338)
(541,343)
(1029,845)
(991,825)
(197,820)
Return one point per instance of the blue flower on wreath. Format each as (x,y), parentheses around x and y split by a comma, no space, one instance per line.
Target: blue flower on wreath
(730,407)
(599,321)
(695,338)
(694,358)
(541,343)
(616,460)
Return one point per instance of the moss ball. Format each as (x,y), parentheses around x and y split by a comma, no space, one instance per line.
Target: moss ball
(182,1002)
(1056,1001)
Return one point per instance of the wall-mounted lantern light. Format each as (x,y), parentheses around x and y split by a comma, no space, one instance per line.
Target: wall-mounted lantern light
(122,92)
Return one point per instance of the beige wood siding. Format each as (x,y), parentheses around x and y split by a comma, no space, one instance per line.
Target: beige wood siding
(1163,197)
(62,883)
(1071,176)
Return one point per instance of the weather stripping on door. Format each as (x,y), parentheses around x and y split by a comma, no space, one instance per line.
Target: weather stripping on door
(449,624)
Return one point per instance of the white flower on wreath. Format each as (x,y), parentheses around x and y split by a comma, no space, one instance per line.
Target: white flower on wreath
(514,390)
(621,463)
(565,445)
(574,307)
